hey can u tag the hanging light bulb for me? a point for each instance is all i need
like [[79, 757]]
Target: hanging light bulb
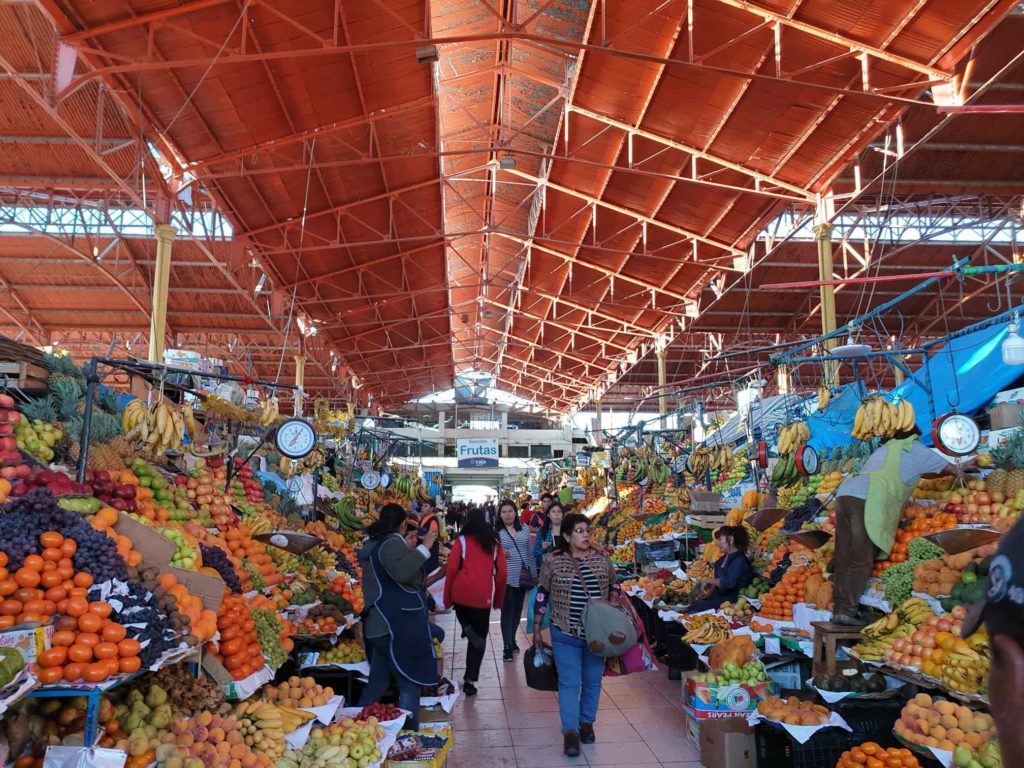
[[1013, 344]]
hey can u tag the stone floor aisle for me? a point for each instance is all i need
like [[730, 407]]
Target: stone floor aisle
[[640, 721]]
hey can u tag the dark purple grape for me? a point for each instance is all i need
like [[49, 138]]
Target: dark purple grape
[[215, 558]]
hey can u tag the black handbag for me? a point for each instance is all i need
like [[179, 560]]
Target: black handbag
[[541, 673]]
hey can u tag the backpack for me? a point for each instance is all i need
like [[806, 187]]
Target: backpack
[[462, 554]]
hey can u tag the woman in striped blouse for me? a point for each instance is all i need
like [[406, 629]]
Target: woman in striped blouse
[[575, 574], [515, 541]]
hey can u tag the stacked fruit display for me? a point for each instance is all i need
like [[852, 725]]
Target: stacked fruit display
[[346, 651], [741, 611], [792, 711], [779, 601], [346, 744], [707, 629], [298, 692], [935, 722], [890, 757], [882, 635], [238, 649]]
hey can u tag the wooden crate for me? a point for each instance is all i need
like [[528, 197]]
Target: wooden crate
[[21, 375]]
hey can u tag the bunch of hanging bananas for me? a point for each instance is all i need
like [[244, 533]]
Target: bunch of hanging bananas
[[792, 435], [721, 458], [877, 417], [707, 629], [160, 427], [409, 487], [700, 461], [824, 396], [225, 409], [190, 421], [311, 461], [345, 508], [270, 409]]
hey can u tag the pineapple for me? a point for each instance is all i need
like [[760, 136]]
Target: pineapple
[[996, 481], [1010, 456]]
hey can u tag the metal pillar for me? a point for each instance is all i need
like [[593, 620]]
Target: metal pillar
[[823, 236], [300, 378], [662, 382], [165, 235], [783, 380]]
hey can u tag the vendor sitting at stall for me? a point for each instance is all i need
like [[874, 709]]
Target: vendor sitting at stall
[[868, 509], [733, 570]]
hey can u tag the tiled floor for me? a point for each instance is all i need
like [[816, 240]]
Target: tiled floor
[[508, 725]]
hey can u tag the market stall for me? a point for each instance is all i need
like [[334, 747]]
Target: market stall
[[160, 602]]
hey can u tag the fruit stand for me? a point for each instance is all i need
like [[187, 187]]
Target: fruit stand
[[145, 608]]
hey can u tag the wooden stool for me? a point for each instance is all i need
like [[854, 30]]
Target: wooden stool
[[826, 635]]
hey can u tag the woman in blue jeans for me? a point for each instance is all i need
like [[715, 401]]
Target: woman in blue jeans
[[574, 574]]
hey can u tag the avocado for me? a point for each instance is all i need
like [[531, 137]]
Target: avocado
[[972, 567], [858, 684], [831, 567], [821, 682], [957, 592], [974, 593], [840, 684], [876, 683], [983, 566], [949, 603]]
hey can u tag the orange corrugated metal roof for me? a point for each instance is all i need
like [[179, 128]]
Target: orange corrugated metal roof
[[646, 150]]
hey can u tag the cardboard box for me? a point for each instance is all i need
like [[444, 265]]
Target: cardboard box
[[1006, 415], [704, 501], [692, 727], [709, 701], [155, 548], [202, 585], [435, 714], [1009, 396], [727, 743], [28, 642]]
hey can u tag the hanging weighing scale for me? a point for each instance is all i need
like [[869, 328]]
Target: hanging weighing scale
[[385, 480], [762, 454], [955, 434], [806, 459], [370, 479], [295, 438]]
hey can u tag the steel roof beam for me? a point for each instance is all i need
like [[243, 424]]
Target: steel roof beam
[[153, 17], [573, 330], [628, 213], [758, 177], [597, 268], [922, 68]]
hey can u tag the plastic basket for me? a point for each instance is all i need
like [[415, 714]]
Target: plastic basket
[[790, 676]]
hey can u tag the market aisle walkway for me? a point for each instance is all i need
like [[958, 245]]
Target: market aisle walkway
[[507, 725]]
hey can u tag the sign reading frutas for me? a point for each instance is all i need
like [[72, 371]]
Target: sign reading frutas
[[477, 452]]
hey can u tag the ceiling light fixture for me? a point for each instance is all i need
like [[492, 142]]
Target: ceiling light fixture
[[507, 163], [1013, 344]]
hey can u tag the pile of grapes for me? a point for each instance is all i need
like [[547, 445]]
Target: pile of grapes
[[22, 520], [215, 558], [142, 620], [344, 564], [804, 513], [780, 570]]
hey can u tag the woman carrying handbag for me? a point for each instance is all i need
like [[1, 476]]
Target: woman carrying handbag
[[474, 583], [576, 580], [515, 541]]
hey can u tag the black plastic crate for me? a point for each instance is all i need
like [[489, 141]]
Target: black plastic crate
[[871, 720], [652, 551]]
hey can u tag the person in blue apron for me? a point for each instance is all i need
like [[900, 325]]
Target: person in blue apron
[[396, 631]]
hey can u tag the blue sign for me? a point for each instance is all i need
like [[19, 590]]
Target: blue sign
[[477, 452]]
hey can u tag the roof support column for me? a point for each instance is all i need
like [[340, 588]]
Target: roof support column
[[165, 235], [662, 382], [823, 236], [300, 379], [783, 379]]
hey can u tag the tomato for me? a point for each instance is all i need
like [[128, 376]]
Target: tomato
[[51, 539], [53, 657], [27, 577], [63, 639], [77, 607], [94, 673], [33, 563], [101, 609], [231, 647], [50, 579], [112, 665], [48, 675], [113, 632], [89, 622], [128, 647], [6, 622], [80, 654], [69, 547], [8, 587], [10, 607], [105, 651], [73, 672], [52, 555], [56, 594], [232, 663], [129, 664], [67, 622], [88, 639], [83, 580]]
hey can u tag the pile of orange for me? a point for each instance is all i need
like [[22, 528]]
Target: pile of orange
[[87, 644], [871, 755], [246, 548], [104, 520], [778, 603], [239, 650], [41, 586]]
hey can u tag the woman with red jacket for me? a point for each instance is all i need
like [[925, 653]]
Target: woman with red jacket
[[475, 583]]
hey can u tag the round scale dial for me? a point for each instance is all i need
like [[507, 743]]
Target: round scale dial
[[295, 438], [956, 434], [806, 459]]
